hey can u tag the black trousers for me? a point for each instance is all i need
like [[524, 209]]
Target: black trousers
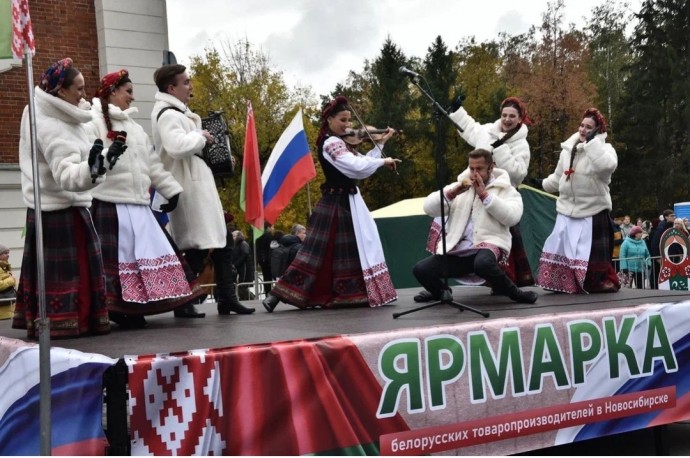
[[430, 272], [225, 273], [654, 277], [637, 276], [196, 258]]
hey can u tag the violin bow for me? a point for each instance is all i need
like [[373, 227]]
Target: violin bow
[[376, 145]]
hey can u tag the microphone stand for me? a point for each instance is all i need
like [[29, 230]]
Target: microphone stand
[[446, 295]]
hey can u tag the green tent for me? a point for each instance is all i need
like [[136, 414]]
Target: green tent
[[538, 219], [404, 228]]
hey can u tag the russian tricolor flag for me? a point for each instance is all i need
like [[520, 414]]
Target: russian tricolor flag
[[288, 169], [76, 410]]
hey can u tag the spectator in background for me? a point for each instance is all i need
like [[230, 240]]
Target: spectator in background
[[287, 249], [7, 284], [647, 227], [243, 262], [275, 243], [635, 257], [626, 225], [668, 217], [7, 280], [263, 255], [618, 238], [682, 225], [647, 233]]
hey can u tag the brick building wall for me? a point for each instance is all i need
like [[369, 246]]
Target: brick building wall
[[62, 28], [100, 36]]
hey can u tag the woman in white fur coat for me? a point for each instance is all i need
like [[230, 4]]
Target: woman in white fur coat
[[73, 267], [144, 274], [577, 255], [506, 138]]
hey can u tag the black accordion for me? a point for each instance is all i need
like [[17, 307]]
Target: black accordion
[[217, 154]]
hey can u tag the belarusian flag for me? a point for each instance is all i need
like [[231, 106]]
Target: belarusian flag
[[251, 196], [15, 29]]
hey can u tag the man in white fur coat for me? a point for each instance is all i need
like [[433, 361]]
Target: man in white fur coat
[[197, 224], [480, 209]]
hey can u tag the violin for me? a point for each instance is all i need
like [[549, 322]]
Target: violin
[[354, 137]]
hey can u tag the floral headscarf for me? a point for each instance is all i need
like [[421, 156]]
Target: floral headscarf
[[52, 79]]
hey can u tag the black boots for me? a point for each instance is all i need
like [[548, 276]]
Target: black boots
[[424, 296], [224, 308], [270, 303], [524, 297], [501, 284], [188, 311], [128, 321], [225, 284]]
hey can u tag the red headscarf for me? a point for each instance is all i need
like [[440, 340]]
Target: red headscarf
[[336, 105], [330, 107], [597, 117], [111, 81], [520, 106]]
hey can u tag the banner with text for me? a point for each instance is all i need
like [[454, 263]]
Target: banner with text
[[493, 387]]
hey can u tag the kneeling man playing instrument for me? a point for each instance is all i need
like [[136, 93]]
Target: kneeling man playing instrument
[[480, 208]]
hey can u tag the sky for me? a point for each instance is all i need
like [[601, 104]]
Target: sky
[[317, 42]]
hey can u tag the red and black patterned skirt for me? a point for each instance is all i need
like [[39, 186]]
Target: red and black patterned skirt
[[601, 276], [73, 272], [106, 223], [326, 271]]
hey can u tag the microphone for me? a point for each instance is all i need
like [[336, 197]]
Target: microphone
[[408, 72]]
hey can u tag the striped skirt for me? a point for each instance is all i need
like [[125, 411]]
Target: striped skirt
[[159, 286], [577, 256], [73, 272], [327, 271]]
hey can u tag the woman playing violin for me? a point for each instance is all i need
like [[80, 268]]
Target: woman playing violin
[[341, 263]]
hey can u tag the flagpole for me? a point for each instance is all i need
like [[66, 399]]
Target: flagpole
[[309, 196], [43, 321], [256, 273]]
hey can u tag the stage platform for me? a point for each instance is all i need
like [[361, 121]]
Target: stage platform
[[167, 334]]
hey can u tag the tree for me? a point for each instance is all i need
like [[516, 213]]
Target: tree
[[385, 104], [225, 80], [439, 68], [558, 90], [609, 55], [482, 81], [653, 118]]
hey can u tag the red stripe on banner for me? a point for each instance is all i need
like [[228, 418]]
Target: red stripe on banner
[[436, 439], [285, 398], [677, 413], [89, 447]]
